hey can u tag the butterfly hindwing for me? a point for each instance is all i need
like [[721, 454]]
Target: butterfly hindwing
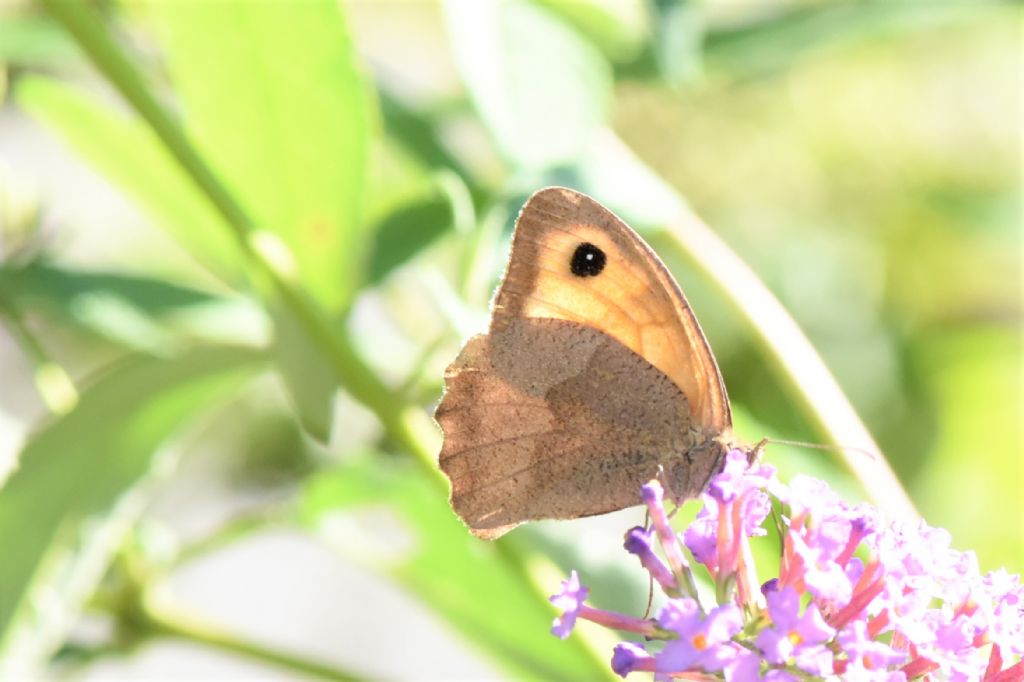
[[541, 421]]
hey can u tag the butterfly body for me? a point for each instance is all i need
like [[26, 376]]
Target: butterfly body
[[593, 377]]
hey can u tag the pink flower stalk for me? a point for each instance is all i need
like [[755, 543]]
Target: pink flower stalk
[[855, 598], [569, 602]]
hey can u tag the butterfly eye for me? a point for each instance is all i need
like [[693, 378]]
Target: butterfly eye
[[587, 260]]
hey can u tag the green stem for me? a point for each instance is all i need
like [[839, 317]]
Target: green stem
[[229, 532], [187, 628]]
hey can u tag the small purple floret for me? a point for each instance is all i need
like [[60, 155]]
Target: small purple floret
[[569, 601], [654, 497], [795, 636], [702, 643], [638, 542], [701, 537], [628, 657]]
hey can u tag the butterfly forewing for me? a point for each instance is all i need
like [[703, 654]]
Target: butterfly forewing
[[632, 298]]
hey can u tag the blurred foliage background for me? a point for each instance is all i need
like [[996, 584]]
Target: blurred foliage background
[[239, 242]]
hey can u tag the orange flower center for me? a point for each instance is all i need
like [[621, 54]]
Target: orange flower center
[[700, 642], [795, 637]]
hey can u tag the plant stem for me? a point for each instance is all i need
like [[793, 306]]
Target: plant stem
[[187, 628], [229, 532]]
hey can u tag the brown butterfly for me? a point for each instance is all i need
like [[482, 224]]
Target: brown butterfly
[[594, 376]]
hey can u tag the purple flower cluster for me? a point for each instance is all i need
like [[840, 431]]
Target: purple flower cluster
[[855, 598]]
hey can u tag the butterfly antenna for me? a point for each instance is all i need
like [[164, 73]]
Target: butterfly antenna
[[873, 455]]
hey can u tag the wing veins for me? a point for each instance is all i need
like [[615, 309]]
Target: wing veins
[[500, 441]]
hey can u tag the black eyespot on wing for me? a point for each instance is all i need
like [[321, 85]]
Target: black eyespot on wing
[[587, 260]]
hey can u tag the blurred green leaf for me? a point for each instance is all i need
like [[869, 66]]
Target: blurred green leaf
[[126, 151], [678, 38], [28, 39], [406, 232], [416, 133], [77, 469], [776, 41], [274, 97], [135, 311], [464, 579], [540, 88], [48, 285], [307, 373]]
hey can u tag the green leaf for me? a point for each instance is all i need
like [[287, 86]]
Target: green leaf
[[416, 133], [48, 284], [407, 231], [77, 470], [129, 154], [464, 579], [28, 39], [678, 36], [306, 372], [134, 311], [273, 96], [783, 38], [540, 88]]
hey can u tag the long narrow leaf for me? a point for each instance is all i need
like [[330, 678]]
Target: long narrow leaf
[[466, 581], [125, 150], [73, 472], [134, 311]]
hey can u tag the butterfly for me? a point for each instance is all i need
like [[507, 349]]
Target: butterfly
[[594, 377]]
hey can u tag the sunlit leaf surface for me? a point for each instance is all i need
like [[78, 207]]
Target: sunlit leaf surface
[[274, 97]]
